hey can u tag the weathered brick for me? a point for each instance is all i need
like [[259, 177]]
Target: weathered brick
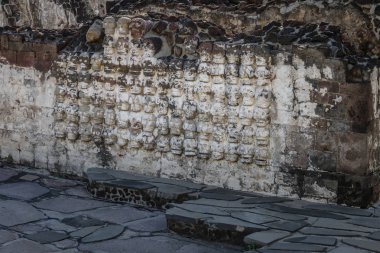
[[328, 86]]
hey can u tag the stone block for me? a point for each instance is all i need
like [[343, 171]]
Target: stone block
[[3, 41], [325, 161], [326, 141], [353, 155], [26, 59], [361, 89], [10, 55]]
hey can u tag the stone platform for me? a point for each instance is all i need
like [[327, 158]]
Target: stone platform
[[40, 213]]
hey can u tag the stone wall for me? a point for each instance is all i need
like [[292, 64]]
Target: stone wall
[[289, 108]]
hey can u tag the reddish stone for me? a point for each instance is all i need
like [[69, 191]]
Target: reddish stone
[[9, 55], [26, 59], [357, 89]]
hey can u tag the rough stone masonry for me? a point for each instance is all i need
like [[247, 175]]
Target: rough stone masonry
[[271, 96]]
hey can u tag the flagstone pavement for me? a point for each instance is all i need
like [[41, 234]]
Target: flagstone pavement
[[40, 213]]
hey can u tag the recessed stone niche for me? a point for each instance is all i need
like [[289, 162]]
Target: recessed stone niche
[[179, 98]]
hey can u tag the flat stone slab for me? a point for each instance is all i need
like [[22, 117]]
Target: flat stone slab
[[202, 209], [99, 176], [154, 224], [252, 217], [219, 196], [365, 244], [6, 236], [6, 174], [14, 213], [84, 231], [23, 190], [66, 204], [264, 200], [366, 222], [170, 191], [118, 214], [297, 247], [321, 240], [328, 232], [264, 238], [47, 237], [341, 225], [313, 213], [24, 245], [119, 174], [82, 221], [104, 233], [375, 236], [340, 209], [130, 184], [290, 226], [29, 177], [347, 249]]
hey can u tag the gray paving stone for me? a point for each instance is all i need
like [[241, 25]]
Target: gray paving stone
[[155, 244], [280, 251], [184, 215], [328, 232], [264, 200], [82, 221], [252, 217], [220, 203], [321, 240], [347, 249], [169, 191], [118, 214], [104, 233], [6, 236], [14, 213], [218, 196], [290, 226], [230, 223], [342, 225], [120, 174], [47, 237], [285, 216], [202, 209], [23, 190], [182, 183], [78, 191], [297, 247], [84, 232], [66, 244], [195, 248], [58, 183], [29, 177], [130, 184], [27, 246], [340, 209], [99, 176], [264, 238], [365, 244], [154, 224], [66, 204], [313, 213], [375, 236], [6, 174], [55, 225], [366, 222]]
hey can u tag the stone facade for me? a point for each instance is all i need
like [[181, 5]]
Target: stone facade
[[285, 109]]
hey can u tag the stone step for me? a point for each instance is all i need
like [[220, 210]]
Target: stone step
[[121, 186]]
